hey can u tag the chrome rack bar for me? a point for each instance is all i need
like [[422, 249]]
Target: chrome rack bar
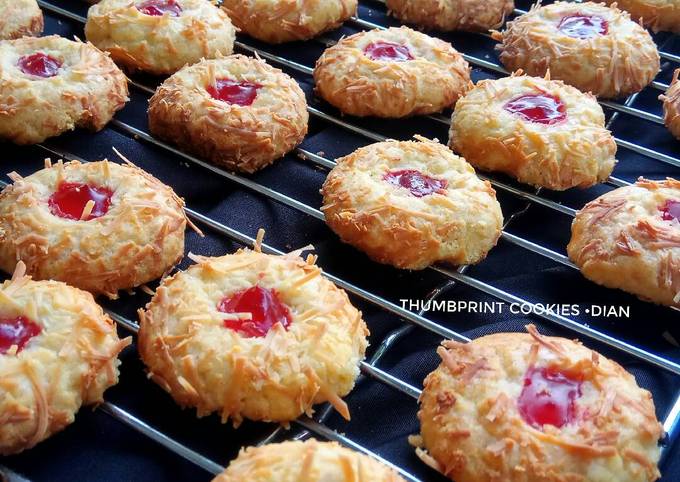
[[564, 321], [159, 437]]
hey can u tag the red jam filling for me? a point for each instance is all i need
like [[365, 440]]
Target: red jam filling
[[263, 304], [583, 26], [156, 8], [16, 331], [670, 210], [233, 92], [548, 398], [418, 183], [388, 52], [39, 65], [70, 199], [540, 108]]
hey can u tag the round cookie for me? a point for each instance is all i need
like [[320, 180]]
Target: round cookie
[[58, 351], [99, 226], [469, 15], [277, 21], [236, 111], [20, 18], [391, 73], [671, 106], [515, 406], [595, 48], [309, 461], [659, 15], [255, 336], [159, 36], [629, 239], [542, 132], [51, 85], [412, 204]]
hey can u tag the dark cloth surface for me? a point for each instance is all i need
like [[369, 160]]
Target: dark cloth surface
[[98, 448]]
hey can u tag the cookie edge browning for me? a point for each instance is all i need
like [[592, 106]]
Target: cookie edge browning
[[276, 29], [348, 80], [163, 370], [451, 15], [93, 385], [519, 46], [360, 466], [434, 405], [173, 119], [35, 248], [597, 257], [353, 226]]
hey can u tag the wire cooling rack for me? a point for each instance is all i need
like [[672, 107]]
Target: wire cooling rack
[[638, 113]]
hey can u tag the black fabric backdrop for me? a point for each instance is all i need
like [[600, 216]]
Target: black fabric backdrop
[[98, 448]]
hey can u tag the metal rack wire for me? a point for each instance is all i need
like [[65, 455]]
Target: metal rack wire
[[370, 368]]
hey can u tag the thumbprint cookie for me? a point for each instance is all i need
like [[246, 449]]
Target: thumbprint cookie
[[254, 336], [671, 106], [236, 111], [277, 21], [593, 47], [309, 461], [527, 407], [629, 239], [391, 73], [20, 18], [51, 85], [540, 131], [159, 36], [411, 204], [99, 226], [58, 352], [658, 15], [469, 15]]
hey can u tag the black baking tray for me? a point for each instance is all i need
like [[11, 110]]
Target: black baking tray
[[98, 447]]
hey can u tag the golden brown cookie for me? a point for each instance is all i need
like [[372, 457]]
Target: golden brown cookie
[[51, 85], [396, 72], [277, 21], [58, 352], [629, 239], [412, 204], [530, 408], [159, 36], [593, 47], [255, 336], [235, 111], [309, 461], [541, 132], [99, 226]]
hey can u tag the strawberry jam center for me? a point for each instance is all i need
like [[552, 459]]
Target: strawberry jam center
[[156, 8], [416, 182], [264, 306], [388, 52], [583, 26], [233, 92], [16, 331], [70, 199], [39, 65], [548, 398], [539, 108], [670, 210]]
